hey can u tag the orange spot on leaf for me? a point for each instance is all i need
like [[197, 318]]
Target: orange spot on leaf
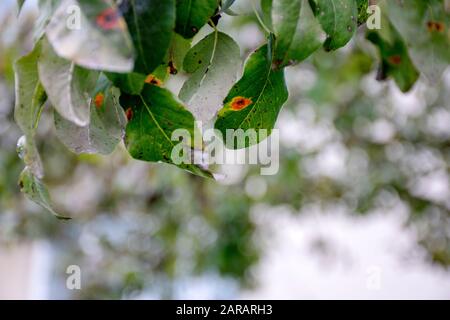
[[109, 19], [395, 60], [98, 100], [239, 103], [439, 26], [129, 114], [435, 26], [151, 79]]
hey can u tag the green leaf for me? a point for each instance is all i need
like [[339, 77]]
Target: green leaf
[[338, 19], [192, 15], [153, 116], [363, 13], [424, 27], [131, 83], [173, 61], [20, 4], [68, 86], [256, 99], [46, 10], [177, 52], [226, 4], [395, 60], [92, 34], [30, 99], [151, 23], [36, 191], [266, 9], [297, 31], [214, 63], [105, 129]]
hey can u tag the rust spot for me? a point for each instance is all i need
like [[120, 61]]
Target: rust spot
[[109, 19], [395, 60], [239, 103], [435, 26], [151, 79], [439, 26], [172, 69], [129, 114], [99, 100], [276, 64]]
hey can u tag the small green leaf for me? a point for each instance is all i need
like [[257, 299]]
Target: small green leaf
[[256, 99], [214, 63], [363, 14], [68, 86], [30, 96], [105, 129], [297, 31], [192, 15], [424, 27], [92, 34], [133, 83], [339, 20], [153, 116], [177, 52], [36, 191], [30, 99], [151, 23], [395, 60]]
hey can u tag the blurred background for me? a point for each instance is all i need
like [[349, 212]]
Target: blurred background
[[359, 209]]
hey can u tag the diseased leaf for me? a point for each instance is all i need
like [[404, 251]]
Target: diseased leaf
[[105, 129], [30, 99], [36, 191], [256, 99], [151, 23], [297, 31], [153, 116], [92, 34], [192, 15], [395, 60], [177, 52], [338, 19], [424, 27], [214, 63], [132, 83], [68, 86]]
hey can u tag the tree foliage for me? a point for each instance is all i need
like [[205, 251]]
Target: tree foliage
[[103, 68]]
